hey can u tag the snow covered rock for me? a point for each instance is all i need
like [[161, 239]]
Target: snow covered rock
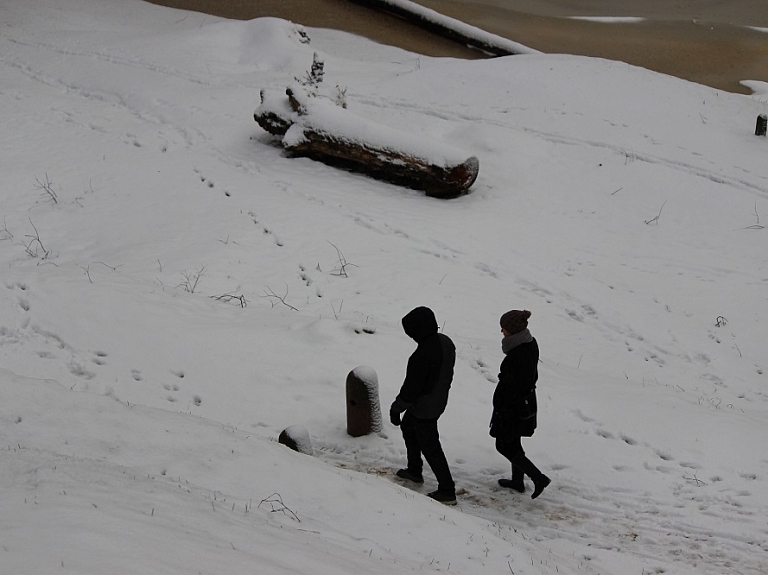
[[297, 438]]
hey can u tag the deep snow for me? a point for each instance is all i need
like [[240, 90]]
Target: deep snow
[[175, 292]]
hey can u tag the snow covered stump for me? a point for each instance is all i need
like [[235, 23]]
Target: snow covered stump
[[363, 407], [296, 437], [762, 125]]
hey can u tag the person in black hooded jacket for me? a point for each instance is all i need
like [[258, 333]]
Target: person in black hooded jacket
[[514, 401], [423, 397]]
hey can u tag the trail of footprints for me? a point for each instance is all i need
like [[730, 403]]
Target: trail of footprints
[[689, 468], [56, 348]]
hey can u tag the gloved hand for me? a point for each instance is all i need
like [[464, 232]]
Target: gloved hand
[[398, 406]]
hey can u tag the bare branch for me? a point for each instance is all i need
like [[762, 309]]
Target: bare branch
[[229, 297], [6, 235], [269, 293], [277, 506], [46, 186], [757, 225], [656, 219], [35, 244], [343, 263], [191, 279]]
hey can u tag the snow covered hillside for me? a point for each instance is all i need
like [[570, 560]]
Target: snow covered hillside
[[175, 292]]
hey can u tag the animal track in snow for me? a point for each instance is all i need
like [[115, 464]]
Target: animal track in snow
[[136, 375], [79, 370], [664, 456], [132, 140], [628, 440], [265, 229], [304, 275]]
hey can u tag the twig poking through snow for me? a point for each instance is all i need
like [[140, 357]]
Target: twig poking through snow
[[276, 503], [46, 186], [343, 263], [281, 299], [656, 219]]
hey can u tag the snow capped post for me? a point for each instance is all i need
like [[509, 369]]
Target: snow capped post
[[363, 407], [762, 125]]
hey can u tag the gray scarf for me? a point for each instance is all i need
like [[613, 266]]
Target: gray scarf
[[512, 341]]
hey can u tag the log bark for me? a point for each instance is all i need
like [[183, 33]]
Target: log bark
[[437, 181]]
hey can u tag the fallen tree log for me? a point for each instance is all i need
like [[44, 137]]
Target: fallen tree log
[[448, 27], [317, 128]]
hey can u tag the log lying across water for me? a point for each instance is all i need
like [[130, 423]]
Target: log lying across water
[[317, 128], [448, 27]]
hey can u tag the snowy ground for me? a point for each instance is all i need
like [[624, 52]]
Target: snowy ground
[[172, 297]]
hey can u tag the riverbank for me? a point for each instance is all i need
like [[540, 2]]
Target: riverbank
[[715, 43]]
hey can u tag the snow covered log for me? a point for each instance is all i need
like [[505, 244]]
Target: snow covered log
[[317, 128], [448, 27]]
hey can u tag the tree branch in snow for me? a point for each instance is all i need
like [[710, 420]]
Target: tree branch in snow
[[343, 263], [276, 504], [7, 235], [656, 219], [46, 186], [269, 293], [229, 297], [35, 244], [191, 279], [756, 226]]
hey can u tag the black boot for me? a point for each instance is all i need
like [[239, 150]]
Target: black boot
[[539, 485], [525, 465], [516, 482], [410, 475]]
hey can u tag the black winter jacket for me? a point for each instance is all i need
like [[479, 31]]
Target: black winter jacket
[[519, 373], [429, 373]]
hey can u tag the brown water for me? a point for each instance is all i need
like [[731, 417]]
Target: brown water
[[705, 41]]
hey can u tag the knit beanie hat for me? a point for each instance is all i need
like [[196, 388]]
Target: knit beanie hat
[[515, 321]]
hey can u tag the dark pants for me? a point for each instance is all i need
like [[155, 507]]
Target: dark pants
[[512, 449], [422, 438]]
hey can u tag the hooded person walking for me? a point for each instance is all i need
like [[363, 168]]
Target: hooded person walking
[[423, 397], [514, 401]]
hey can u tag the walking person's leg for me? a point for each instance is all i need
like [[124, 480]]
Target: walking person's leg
[[429, 440], [513, 451], [413, 471]]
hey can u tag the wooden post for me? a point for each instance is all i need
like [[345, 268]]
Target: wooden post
[[363, 408], [762, 125]]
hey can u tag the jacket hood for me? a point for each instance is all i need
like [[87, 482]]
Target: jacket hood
[[420, 323]]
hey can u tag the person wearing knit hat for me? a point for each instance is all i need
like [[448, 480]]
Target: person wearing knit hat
[[514, 401]]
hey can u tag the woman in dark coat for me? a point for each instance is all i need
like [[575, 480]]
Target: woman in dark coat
[[514, 401]]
